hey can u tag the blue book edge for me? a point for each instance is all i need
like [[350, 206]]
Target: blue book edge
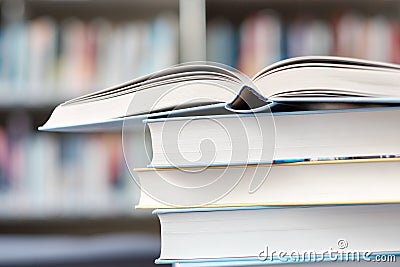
[[339, 257]]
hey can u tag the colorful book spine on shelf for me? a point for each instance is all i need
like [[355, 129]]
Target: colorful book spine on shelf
[[47, 175], [265, 37], [45, 57]]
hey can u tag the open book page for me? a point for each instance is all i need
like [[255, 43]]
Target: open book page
[[329, 77], [167, 76], [176, 88], [353, 62]]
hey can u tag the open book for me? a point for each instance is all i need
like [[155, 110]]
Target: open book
[[202, 87]]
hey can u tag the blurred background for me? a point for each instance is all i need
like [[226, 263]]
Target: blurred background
[[68, 199]]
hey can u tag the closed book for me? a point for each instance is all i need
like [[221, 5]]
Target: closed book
[[268, 137], [296, 183], [379, 259], [267, 233]]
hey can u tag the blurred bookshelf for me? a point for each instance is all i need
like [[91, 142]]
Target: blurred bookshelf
[[53, 50], [253, 34]]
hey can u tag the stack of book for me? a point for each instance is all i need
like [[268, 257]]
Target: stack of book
[[300, 167]]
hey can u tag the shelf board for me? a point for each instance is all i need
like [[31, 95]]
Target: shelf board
[[81, 226], [116, 10], [31, 102], [288, 8]]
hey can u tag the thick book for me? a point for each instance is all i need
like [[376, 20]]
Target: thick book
[[264, 138], [267, 233], [296, 183], [315, 79]]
